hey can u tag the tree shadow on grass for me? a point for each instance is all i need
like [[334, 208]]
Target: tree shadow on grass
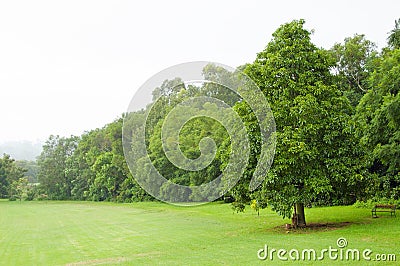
[[312, 227]]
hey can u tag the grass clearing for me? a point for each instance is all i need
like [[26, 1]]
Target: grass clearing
[[88, 233]]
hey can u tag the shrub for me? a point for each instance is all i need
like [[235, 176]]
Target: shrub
[[374, 201], [42, 197], [12, 198]]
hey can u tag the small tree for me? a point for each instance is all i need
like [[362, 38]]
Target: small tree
[[20, 188]]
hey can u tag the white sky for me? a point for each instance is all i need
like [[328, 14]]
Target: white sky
[[71, 66]]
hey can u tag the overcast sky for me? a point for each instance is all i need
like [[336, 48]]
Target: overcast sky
[[71, 66]]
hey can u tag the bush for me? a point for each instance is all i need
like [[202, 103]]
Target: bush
[[12, 198], [42, 197], [374, 201], [364, 204], [30, 194]]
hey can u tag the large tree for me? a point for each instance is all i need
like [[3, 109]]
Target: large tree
[[353, 65], [97, 169], [315, 146], [52, 163], [378, 115]]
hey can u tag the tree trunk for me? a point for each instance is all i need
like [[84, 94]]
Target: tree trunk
[[301, 218]]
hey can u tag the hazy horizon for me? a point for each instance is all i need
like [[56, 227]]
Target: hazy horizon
[[23, 150], [70, 67]]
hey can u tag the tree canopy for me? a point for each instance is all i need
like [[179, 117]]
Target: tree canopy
[[313, 158], [10, 173], [337, 130]]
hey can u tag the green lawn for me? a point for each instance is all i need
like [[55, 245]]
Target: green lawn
[[87, 233]]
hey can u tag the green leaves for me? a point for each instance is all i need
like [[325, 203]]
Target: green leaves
[[10, 173], [354, 60], [379, 124], [337, 117], [312, 119], [52, 162], [394, 37]]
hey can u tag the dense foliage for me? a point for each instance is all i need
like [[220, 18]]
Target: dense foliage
[[13, 182], [337, 118], [316, 154]]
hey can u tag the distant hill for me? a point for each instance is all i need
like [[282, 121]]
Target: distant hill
[[21, 150]]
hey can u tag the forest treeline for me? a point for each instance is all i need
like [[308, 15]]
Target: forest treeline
[[337, 115]]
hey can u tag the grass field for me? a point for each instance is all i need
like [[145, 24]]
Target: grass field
[[87, 233]]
